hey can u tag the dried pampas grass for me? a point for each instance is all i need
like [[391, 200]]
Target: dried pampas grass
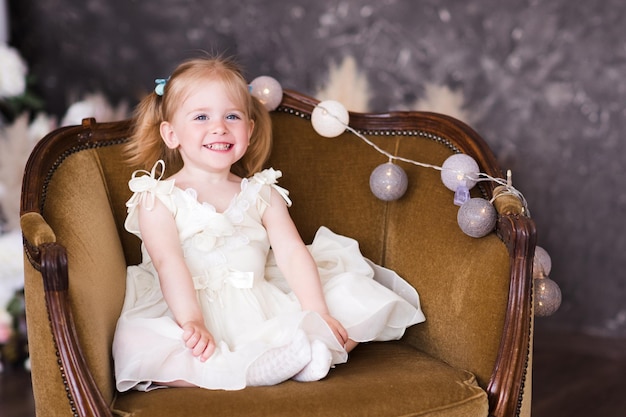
[[18, 139], [347, 85], [441, 99], [16, 143]]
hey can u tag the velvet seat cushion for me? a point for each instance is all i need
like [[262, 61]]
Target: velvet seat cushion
[[380, 379]]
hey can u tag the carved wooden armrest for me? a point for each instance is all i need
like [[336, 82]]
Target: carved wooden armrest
[[518, 233], [50, 258]]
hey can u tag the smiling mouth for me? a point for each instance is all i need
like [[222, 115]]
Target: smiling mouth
[[219, 146]]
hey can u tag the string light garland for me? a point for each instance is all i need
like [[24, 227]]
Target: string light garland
[[460, 173]]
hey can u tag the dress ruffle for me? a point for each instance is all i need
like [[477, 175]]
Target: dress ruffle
[[371, 302]]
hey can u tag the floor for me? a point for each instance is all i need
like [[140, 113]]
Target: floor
[[16, 398], [578, 376], [574, 376]]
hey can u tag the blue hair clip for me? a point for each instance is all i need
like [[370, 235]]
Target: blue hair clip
[[160, 85]]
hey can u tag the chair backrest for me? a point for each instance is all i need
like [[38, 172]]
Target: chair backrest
[[463, 282], [76, 180]]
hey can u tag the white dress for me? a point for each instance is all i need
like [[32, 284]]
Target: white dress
[[247, 304]]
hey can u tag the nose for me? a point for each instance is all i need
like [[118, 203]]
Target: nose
[[219, 128]]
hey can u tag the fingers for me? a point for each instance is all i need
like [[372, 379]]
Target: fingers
[[210, 349], [343, 333], [199, 341], [339, 331], [203, 347]]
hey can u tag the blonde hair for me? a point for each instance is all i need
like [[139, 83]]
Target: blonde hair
[[146, 145]]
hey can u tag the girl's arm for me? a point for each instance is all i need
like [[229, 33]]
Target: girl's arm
[[297, 264], [160, 237]]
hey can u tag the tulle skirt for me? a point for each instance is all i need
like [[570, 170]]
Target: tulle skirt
[[371, 302]]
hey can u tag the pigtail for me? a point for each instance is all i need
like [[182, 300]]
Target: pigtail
[[260, 142], [146, 146]]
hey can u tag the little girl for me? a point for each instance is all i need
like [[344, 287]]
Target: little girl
[[211, 305]]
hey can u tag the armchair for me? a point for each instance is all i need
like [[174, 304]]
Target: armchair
[[472, 356]]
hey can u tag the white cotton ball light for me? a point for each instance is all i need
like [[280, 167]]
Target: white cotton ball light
[[477, 217], [542, 263], [330, 118], [268, 90], [456, 169], [547, 296], [388, 182]]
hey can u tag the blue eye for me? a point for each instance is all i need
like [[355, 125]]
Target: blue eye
[[233, 117], [201, 117]]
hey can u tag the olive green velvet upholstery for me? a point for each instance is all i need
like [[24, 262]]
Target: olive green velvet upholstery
[[441, 368]]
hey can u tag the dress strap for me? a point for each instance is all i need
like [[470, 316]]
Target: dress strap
[[270, 176], [145, 187], [283, 193]]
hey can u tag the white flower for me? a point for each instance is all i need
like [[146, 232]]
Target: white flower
[[13, 72]]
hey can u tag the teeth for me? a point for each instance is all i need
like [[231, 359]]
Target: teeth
[[219, 146]]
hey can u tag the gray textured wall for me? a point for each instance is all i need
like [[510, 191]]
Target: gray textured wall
[[543, 81]]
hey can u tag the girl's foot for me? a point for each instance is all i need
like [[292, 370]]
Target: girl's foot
[[321, 360], [280, 364]]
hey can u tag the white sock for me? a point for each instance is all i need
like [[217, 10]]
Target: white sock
[[280, 364], [321, 359]]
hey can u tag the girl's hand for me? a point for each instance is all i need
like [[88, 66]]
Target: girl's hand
[[340, 333], [198, 339]]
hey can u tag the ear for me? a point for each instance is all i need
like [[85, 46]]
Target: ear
[[168, 135]]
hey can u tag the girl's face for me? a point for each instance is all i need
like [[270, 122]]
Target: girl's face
[[210, 131]]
